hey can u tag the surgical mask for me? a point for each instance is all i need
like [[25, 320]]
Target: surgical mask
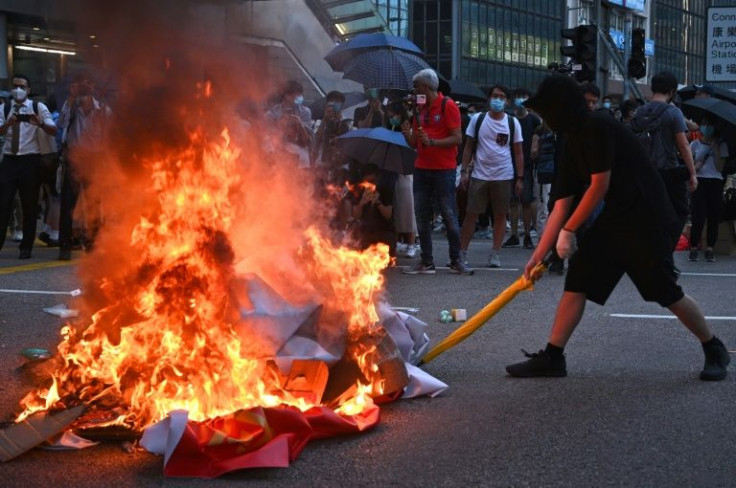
[[336, 106], [19, 94], [519, 102], [606, 105], [497, 105], [708, 130], [394, 121], [299, 100]]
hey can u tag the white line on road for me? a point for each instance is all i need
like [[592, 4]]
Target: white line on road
[[73, 293], [474, 269], [726, 275], [650, 316]]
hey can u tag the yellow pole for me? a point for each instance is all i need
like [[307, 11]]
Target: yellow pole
[[479, 319]]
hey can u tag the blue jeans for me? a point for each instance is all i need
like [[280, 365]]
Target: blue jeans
[[430, 187]]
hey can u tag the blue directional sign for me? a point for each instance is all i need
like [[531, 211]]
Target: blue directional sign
[[638, 5], [619, 39]]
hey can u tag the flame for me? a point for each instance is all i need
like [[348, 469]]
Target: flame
[[165, 340]]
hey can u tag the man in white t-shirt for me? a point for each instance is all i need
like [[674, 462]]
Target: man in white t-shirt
[[493, 170]]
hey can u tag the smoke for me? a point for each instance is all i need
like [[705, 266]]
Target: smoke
[[177, 75]]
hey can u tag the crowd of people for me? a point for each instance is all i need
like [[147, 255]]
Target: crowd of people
[[608, 188]]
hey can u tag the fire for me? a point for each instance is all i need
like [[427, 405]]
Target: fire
[[165, 341]]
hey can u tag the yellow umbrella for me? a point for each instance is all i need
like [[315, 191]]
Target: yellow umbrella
[[478, 320]]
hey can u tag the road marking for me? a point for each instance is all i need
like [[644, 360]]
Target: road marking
[[474, 269], [727, 275], [651, 316], [73, 293], [35, 266]]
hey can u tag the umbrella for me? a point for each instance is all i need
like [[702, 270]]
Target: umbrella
[[384, 148], [689, 91], [351, 99], [342, 53], [384, 69], [463, 91], [478, 320], [721, 110]]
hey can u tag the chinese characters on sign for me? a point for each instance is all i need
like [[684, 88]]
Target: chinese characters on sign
[[720, 53]]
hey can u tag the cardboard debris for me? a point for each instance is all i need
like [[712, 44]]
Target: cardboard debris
[[36, 429], [307, 379]]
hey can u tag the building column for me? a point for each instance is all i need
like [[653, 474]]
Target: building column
[[4, 48]]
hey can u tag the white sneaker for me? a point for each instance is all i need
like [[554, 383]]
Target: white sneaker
[[16, 236], [401, 248], [494, 261], [411, 250], [533, 233]]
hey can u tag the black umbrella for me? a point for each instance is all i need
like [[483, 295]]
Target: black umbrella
[[384, 68], [341, 55], [351, 99], [723, 112], [384, 148], [463, 91], [689, 92]]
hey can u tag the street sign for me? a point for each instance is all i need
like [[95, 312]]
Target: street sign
[[618, 40], [720, 52]]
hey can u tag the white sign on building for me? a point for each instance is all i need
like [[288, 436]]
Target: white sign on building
[[720, 49]]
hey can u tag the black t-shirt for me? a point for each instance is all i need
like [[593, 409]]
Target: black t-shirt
[[636, 200], [528, 125]]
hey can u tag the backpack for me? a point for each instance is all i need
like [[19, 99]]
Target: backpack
[[512, 130], [646, 126], [545, 162]]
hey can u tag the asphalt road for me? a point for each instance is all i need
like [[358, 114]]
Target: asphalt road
[[631, 412]]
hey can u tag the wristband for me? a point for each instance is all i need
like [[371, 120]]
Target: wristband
[[568, 230]]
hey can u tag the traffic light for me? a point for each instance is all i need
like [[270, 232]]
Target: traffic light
[[584, 50], [637, 65]]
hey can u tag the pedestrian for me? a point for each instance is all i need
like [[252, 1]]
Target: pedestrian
[[372, 209], [527, 201], [372, 114], [710, 154], [292, 124], [404, 220], [634, 233], [20, 121], [435, 133], [544, 161], [325, 154], [85, 121], [664, 125], [496, 140]]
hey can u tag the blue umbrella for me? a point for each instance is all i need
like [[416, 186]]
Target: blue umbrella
[[385, 148], [342, 53], [384, 68]]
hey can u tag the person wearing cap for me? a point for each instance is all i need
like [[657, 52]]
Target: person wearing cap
[[634, 233]]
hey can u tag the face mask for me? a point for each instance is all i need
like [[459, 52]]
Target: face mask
[[708, 130], [497, 105], [19, 94], [519, 102], [606, 105], [336, 106], [394, 121], [299, 100]]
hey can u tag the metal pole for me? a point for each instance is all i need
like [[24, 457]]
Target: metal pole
[[598, 57], [457, 42], [627, 54], [4, 47]]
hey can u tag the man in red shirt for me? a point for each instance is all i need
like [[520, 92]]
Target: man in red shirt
[[435, 131]]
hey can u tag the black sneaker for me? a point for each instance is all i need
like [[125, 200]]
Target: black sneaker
[[459, 267], [512, 241], [717, 358], [710, 256], [420, 268], [528, 244], [693, 256], [538, 364]]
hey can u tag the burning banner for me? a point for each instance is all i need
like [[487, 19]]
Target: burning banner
[[224, 357]]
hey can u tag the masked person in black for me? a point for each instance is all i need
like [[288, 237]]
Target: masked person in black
[[633, 234]]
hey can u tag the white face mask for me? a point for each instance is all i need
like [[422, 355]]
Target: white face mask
[[19, 94]]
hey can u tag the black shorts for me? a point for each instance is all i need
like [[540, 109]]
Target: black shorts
[[603, 258]]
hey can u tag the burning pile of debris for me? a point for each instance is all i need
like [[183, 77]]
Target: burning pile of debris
[[220, 358]]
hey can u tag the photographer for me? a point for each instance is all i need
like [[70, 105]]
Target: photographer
[[19, 170]]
